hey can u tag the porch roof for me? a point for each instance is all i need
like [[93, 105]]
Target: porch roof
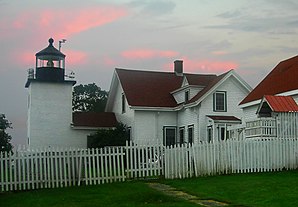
[[94, 119], [280, 103], [224, 118]]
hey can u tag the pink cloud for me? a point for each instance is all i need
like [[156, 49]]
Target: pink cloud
[[108, 61], [75, 57], [209, 65], [27, 58], [65, 23], [147, 54], [204, 65]]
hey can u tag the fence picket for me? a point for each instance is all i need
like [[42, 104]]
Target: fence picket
[[26, 169]]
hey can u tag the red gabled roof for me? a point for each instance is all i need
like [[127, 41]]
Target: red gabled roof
[[281, 103], [94, 119], [281, 79], [199, 80], [153, 89], [211, 83]]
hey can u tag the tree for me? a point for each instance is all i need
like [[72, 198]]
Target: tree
[[5, 145], [89, 97], [109, 137]]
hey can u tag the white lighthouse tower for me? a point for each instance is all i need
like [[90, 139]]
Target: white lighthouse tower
[[49, 101]]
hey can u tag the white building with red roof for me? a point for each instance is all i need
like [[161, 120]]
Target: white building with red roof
[[270, 109], [176, 107], [281, 81]]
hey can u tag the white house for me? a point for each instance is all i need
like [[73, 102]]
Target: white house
[[176, 107], [270, 109], [281, 81], [50, 121]]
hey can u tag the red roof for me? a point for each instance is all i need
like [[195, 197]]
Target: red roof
[[153, 89], [224, 118], [94, 119], [281, 79], [281, 103], [202, 79]]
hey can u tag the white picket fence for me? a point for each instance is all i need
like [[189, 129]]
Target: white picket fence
[[230, 157], [26, 169], [52, 168]]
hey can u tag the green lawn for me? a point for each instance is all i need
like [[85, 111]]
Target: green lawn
[[115, 194], [274, 189]]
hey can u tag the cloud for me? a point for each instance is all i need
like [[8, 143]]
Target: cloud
[[108, 61], [207, 65], [278, 17], [26, 58], [65, 23], [148, 54], [74, 58], [153, 7]]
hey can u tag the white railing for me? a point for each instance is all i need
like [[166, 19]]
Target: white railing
[[261, 128]]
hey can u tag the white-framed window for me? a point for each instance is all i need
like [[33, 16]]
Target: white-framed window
[[123, 105], [169, 135], [181, 135], [190, 134], [220, 101]]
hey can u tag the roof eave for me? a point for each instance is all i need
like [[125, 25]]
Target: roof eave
[[152, 108]]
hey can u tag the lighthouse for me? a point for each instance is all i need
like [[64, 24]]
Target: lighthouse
[[49, 100]]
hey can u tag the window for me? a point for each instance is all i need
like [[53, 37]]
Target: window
[[186, 95], [221, 132], [209, 134], [181, 135], [169, 135], [190, 134], [220, 101], [123, 103]]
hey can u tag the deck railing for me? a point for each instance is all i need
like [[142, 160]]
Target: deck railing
[[261, 128]]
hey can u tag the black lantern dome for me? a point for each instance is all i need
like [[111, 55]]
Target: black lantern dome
[[50, 64]]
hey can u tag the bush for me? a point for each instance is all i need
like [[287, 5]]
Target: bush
[[109, 137]]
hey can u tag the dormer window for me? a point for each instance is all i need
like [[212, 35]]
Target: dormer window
[[186, 96], [220, 101]]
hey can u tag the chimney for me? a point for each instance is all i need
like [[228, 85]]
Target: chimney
[[178, 67]]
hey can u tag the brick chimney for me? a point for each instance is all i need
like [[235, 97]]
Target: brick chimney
[[178, 67]]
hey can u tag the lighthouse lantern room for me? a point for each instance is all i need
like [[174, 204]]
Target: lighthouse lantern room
[[50, 64]]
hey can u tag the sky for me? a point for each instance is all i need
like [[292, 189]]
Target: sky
[[251, 37]]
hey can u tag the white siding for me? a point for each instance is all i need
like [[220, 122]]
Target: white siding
[[149, 125], [235, 95], [50, 116], [128, 116], [249, 113], [180, 95], [189, 117]]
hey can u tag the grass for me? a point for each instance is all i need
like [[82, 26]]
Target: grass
[[116, 194], [274, 189]]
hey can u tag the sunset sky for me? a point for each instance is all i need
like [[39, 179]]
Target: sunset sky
[[209, 36]]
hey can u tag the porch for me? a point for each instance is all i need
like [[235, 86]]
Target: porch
[[282, 125]]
